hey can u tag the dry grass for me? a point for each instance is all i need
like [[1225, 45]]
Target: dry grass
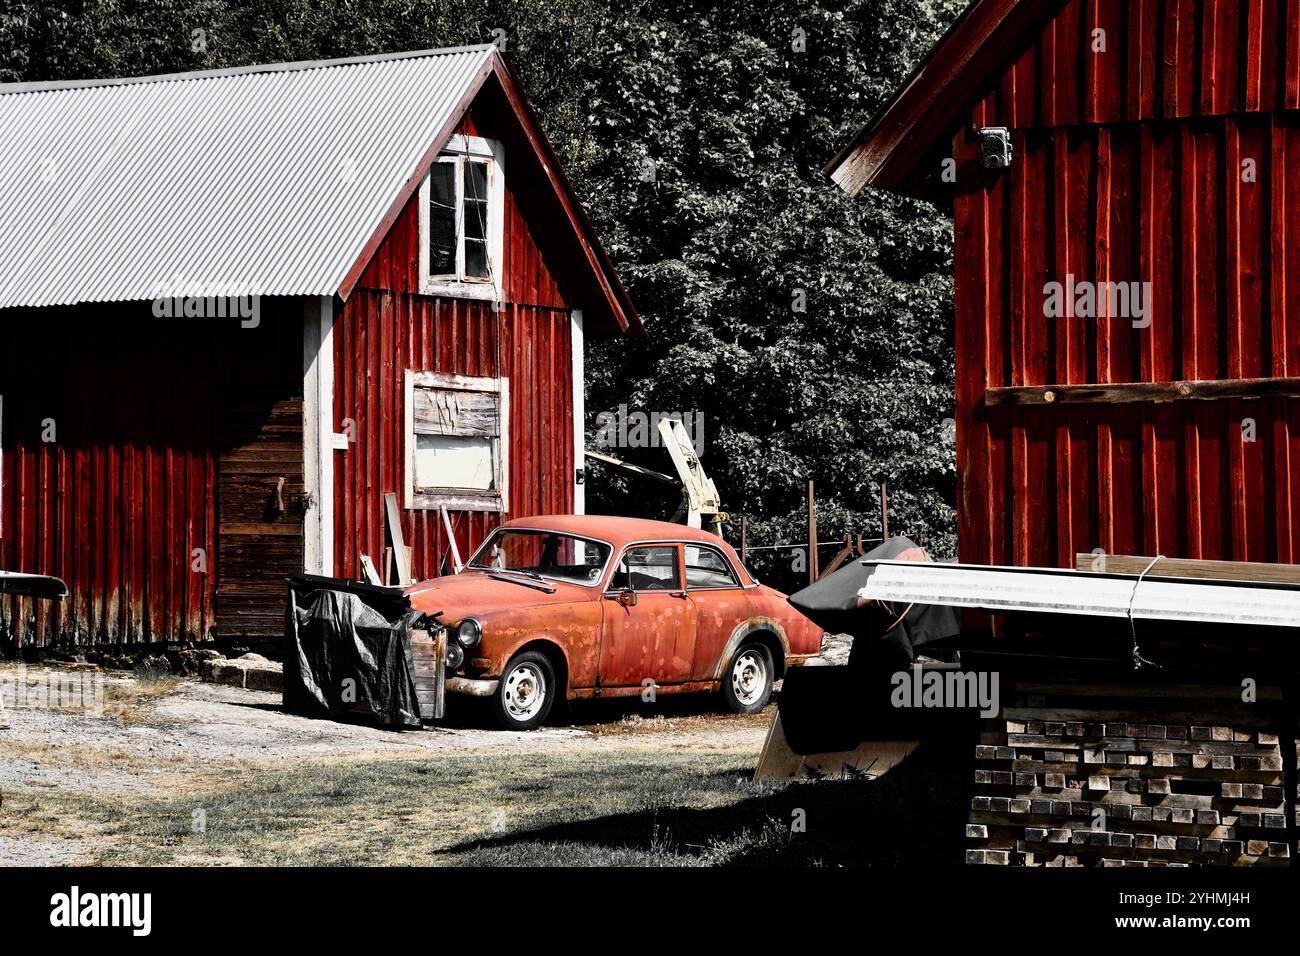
[[607, 808], [392, 812], [668, 788], [132, 701]]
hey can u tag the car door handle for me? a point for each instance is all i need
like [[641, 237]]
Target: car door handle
[[678, 594]]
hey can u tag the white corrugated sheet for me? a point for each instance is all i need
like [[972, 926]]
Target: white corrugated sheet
[[1061, 591], [267, 180]]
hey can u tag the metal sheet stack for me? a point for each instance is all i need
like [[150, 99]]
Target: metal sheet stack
[[1078, 774]]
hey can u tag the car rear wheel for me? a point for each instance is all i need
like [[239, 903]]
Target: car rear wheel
[[747, 681], [526, 691]]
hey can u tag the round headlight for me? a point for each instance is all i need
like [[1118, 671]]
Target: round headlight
[[469, 633], [455, 657]]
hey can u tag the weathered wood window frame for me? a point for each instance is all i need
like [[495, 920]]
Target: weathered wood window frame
[[418, 385], [459, 151]]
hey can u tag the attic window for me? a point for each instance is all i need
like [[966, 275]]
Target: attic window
[[461, 212]]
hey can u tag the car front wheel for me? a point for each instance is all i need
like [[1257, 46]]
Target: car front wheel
[[526, 692], [747, 681]]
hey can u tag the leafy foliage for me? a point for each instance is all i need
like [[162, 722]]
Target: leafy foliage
[[813, 331]]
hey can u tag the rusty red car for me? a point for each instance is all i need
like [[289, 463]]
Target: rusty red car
[[582, 606]]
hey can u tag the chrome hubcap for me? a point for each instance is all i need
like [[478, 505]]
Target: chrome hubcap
[[525, 691], [749, 677]]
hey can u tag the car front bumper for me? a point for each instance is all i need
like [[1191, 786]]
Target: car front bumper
[[472, 687]]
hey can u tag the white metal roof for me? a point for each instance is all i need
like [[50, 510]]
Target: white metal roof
[[1063, 591], [268, 180]]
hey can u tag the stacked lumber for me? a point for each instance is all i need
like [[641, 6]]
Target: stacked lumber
[[1076, 774]]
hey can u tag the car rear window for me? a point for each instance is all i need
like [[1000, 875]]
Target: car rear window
[[707, 568]]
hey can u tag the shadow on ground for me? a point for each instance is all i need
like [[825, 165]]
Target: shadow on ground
[[912, 816], [468, 713]]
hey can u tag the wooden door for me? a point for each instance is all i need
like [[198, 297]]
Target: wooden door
[[260, 507]]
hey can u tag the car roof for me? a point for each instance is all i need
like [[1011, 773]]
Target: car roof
[[615, 529]]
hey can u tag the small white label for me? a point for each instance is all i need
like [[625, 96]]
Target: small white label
[[339, 441]]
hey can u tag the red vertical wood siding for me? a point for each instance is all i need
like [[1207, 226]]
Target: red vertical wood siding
[[377, 337], [387, 327], [116, 505], [1163, 59], [1128, 167]]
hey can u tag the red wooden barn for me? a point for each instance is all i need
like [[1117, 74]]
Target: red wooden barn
[[1128, 285], [239, 306]]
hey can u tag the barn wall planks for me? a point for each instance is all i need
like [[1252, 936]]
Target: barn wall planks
[[119, 501], [1152, 59], [1180, 170], [260, 520], [377, 337]]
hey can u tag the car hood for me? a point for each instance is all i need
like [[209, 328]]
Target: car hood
[[477, 593]]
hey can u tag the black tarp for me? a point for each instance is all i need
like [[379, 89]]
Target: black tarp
[[832, 603], [833, 709], [348, 645]]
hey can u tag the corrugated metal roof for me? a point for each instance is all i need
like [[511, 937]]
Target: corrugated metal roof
[[265, 180], [1059, 591]]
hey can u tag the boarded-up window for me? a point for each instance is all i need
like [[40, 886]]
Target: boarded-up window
[[457, 442]]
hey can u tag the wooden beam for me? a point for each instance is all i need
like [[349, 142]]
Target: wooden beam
[[841, 556], [1190, 568], [1119, 392], [369, 572], [401, 557], [812, 534], [884, 512]]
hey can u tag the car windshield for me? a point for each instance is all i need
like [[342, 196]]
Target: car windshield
[[547, 554]]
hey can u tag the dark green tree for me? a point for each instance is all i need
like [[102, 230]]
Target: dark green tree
[[813, 331]]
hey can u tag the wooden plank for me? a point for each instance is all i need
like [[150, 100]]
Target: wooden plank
[[401, 557], [1190, 568], [292, 528], [427, 654], [452, 412], [368, 570], [1122, 392]]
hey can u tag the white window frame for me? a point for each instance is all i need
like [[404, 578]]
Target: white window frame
[[455, 286], [456, 499]]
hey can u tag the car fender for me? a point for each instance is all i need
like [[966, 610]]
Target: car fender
[[743, 630]]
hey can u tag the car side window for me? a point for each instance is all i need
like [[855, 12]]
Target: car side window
[[707, 568], [647, 569]]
